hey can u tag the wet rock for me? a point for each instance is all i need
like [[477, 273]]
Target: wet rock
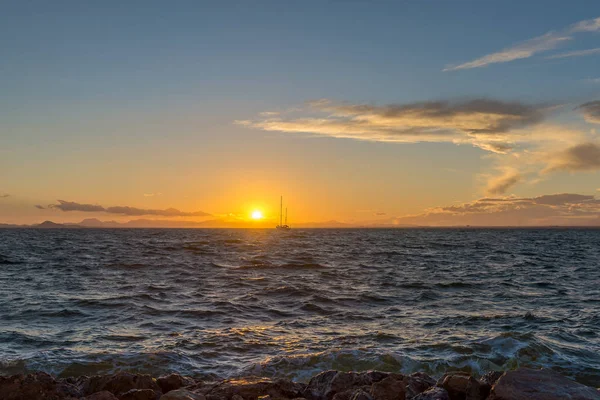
[[418, 382], [103, 395], [361, 395], [434, 393], [140, 394], [487, 381], [37, 386], [117, 384], [173, 382], [491, 377], [251, 388], [183, 394], [326, 384], [544, 384], [461, 386], [389, 388]]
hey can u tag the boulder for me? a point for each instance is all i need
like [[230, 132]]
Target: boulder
[[117, 384], [418, 382], [103, 395], [173, 381], [37, 386], [183, 394], [251, 388], [487, 381], [490, 377], [544, 384], [325, 385], [360, 394], [434, 393], [389, 388], [140, 394], [461, 386]]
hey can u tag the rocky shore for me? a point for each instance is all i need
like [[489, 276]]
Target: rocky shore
[[520, 384]]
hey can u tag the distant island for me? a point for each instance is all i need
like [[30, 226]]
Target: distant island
[[92, 223], [157, 223]]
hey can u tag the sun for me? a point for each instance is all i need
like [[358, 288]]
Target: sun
[[257, 214]]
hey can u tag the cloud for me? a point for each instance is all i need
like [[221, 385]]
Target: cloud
[[152, 194], [576, 53], [40, 207], [526, 49], [591, 111], [5, 195], [590, 25], [553, 209], [529, 48], [481, 122], [68, 206], [500, 184], [72, 206], [581, 157]]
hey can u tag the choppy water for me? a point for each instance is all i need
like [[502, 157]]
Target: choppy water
[[232, 302]]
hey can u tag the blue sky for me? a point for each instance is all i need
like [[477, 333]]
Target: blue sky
[[102, 102]]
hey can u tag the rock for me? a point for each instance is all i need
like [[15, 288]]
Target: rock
[[490, 377], [118, 383], [361, 395], [183, 394], [326, 384], [434, 393], [37, 386], [418, 382], [544, 384], [237, 397], [140, 394], [389, 388], [487, 381], [461, 386], [251, 388], [173, 381], [103, 395]]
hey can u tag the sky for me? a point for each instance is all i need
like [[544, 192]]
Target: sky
[[366, 113]]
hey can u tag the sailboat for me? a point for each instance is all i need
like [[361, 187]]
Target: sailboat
[[281, 224]]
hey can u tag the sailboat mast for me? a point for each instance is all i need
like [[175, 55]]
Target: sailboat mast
[[286, 215], [280, 210]]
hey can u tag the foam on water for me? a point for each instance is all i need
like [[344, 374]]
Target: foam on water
[[290, 304]]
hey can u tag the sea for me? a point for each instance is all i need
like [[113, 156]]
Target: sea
[[218, 303]]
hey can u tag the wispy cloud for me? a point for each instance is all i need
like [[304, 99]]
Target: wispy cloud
[[152, 194], [500, 184], [4, 195], [529, 48], [484, 123], [526, 49], [40, 207], [582, 157], [553, 209], [68, 206], [575, 53], [591, 111], [589, 25]]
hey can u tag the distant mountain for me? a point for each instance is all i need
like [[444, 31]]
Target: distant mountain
[[152, 223], [96, 223], [217, 223], [53, 225]]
